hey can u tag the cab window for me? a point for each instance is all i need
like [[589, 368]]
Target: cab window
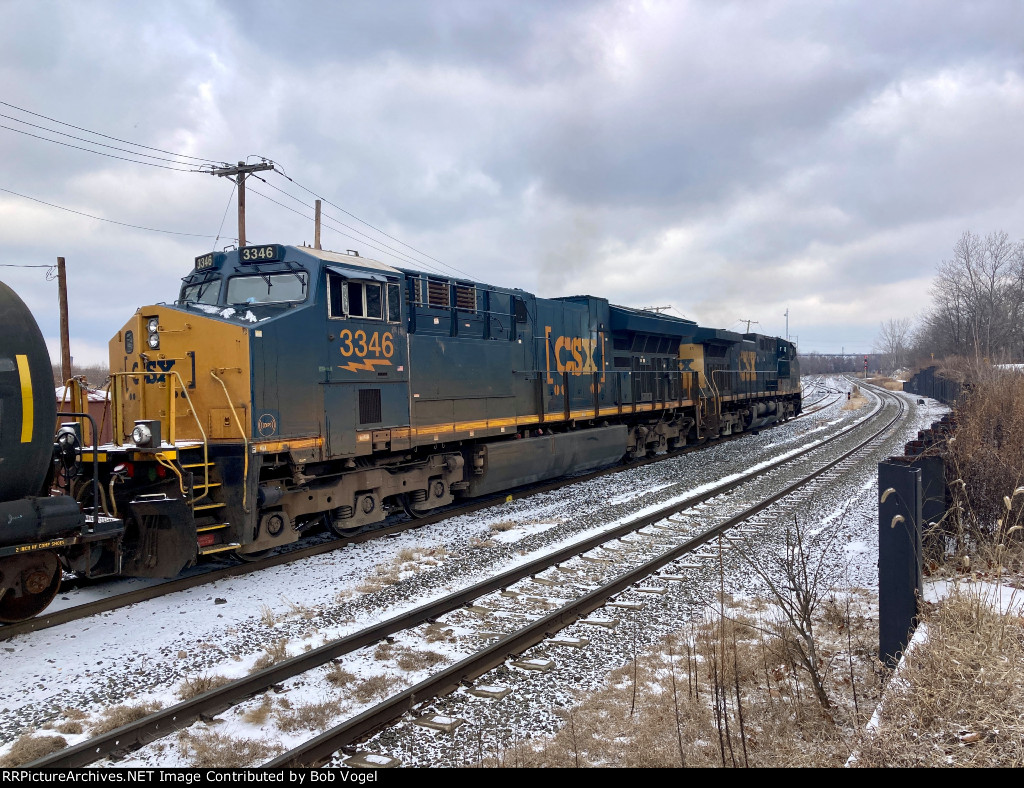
[[267, 288], [201, 292]]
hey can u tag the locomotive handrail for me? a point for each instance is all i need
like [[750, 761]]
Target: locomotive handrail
[[118, 418], [245, 441]]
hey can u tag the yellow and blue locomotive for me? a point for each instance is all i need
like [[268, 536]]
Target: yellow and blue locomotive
[[289, 387]]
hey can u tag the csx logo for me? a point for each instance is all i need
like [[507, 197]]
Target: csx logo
[[748, 359], [157, 368], [573, 355]]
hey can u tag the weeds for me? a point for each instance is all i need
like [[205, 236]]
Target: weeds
[[197, 685], [278, 652], [307, 717], [30, 747], [211, 750], [116, 716]]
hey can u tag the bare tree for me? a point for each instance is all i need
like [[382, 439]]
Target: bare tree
[[893, 343], [978, 300]]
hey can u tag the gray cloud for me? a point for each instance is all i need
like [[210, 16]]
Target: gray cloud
[[733, 159]]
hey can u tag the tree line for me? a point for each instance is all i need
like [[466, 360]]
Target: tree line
[[976, 312]]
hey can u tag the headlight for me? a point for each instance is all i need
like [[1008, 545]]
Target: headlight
[[153, 327], [141, 435]]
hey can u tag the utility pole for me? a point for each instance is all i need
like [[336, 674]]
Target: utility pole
[[239, 174], [316, 233], [748, 322], [656, 308], [65, 333], [787, 323]]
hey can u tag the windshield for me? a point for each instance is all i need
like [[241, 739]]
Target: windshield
[[267, 288], [201, 293]]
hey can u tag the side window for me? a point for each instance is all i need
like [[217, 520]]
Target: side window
[[394, 303], [374, 304], [354, 290], [354, 299], [335, 296]]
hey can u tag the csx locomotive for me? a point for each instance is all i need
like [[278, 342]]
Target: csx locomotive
[[289, 387]]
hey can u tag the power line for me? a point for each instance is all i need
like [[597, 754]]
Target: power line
[[400, 255], [101, 219], [97, 152], [329, 226], [105, 136], [376, 229]]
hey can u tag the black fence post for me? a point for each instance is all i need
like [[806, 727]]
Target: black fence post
[[899, 557]]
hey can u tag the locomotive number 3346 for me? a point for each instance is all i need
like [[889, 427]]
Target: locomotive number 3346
[[377, 344]]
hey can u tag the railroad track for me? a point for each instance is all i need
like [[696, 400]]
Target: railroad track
[[53, 618], [684, 539]]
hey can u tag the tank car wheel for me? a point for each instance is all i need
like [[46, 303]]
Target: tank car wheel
[[40, 580]]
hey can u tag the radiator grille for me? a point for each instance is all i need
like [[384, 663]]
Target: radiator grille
[[369, 406]]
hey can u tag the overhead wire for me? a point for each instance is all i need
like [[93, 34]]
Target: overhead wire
[[374, 228], [397, 253], [98, 152], [101, 219], [90, 142], [328, 225], [208, 165], [107, 136]]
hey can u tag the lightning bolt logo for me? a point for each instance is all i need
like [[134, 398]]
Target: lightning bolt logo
[[367, 365]]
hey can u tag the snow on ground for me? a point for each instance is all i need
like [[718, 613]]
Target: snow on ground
[[142, 653]]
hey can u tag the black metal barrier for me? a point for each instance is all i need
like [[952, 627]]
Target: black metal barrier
[[899, 557], [913, 498], [928, 383]]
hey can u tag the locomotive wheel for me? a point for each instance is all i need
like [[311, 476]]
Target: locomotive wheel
[[250, 558], [411, 510], [40, 580]]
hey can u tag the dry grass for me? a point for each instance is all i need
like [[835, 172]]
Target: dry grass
[[957, 698], [257, 715], [30, 747], [891, 384], [438, 633], [409, 560], [339, 677], [278, 652], [197, 685], [720, 693], [504, 525], [267, 616], [418, 660], [116, 716], [986, 460], [373, 688], [307, 717], [208, 750], [856, 400], [70, 727]]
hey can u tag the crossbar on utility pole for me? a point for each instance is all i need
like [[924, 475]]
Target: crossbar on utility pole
[[240, 172]]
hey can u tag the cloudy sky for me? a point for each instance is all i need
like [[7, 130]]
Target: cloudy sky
[[732, 160]]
